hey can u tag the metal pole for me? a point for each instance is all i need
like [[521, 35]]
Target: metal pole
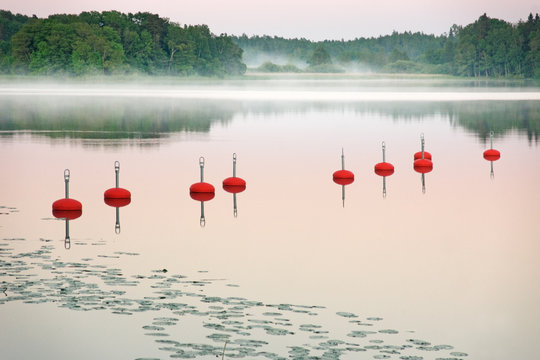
[[234, 165], [66, 180], [491, 139], [383, 152], [384, 187], [201, 164], [342, 160], [423, 183], [343, 194], [117, 171]]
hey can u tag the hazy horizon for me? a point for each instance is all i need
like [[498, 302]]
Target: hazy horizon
[[342, 19]]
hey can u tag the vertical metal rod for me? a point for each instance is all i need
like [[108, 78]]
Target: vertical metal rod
[[201, 164], [342, 160], [423, 183], [383, 152], [343, 194], [384, 187], [66, 180], [234, 165], [492, 174], [117, 172], [491, 139]]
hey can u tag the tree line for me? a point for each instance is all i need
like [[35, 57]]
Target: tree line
[[486, 48], [111, 42]]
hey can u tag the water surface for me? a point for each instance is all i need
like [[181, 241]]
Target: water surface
[[443, 266]]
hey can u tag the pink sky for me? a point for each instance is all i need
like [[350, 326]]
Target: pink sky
[[315, 20]]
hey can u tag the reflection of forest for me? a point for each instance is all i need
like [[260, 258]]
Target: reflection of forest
[[143, 118]]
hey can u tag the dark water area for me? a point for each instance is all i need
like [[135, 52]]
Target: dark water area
[[441, 265]]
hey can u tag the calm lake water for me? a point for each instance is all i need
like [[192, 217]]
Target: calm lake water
[[443, 266]]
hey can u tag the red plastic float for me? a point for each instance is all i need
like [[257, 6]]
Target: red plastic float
[[343, 177], [67, 204], [423, 164], [234, 184], [202, 187], [384, 168], [117, 192], [202, 196], [492, 154]]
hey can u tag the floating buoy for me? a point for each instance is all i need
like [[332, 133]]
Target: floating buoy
[[492, 154], [202, 187], [422, 164], [117, 192], [343, 177], [384, 168], [67, 204], [234, 184]]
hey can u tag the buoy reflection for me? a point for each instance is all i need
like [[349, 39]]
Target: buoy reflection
[[117, 203], [67, 215]]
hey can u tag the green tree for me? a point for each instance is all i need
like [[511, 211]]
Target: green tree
[[320, 56]]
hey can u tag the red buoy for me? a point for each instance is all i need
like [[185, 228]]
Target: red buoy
[[384, 172], [234, 180], [418, 155], [117, 192], [67, 214], [343, 177], [423, 166], [117, 202], [384, 168], [202, 187], [67, 204], [492, 154]]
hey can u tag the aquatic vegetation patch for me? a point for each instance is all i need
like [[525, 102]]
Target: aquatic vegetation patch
[[190, 321]]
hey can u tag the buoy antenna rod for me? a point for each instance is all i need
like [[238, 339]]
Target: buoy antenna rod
[[66, 180], [234, 165], [117, 172], [491, 139], [342, 159], [202, 221], [383, 152], [201, 164]]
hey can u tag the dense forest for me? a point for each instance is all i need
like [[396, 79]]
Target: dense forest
[[486, 48], [111, 42]]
